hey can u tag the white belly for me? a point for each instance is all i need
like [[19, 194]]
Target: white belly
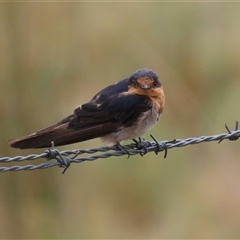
[[145, 123]]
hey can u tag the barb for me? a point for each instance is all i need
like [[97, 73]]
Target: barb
[[142, 147]]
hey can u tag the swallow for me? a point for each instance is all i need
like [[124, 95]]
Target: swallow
[[125, 110]]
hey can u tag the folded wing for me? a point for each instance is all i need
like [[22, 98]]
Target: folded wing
[[101, 116]]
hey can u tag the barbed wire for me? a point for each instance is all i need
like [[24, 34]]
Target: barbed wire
[[142, 147]]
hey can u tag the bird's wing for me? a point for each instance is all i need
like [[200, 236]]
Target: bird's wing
[[124, 109], [91, 120]]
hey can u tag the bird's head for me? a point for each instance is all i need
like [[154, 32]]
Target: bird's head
[[144, 79]]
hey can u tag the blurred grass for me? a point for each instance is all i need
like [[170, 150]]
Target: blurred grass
[[55, 56]]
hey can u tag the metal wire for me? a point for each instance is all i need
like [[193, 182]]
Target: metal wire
[[142, 147]]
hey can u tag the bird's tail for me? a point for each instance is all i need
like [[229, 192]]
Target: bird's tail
[[58, 134]]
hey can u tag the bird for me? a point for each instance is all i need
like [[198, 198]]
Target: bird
[[122, 111]]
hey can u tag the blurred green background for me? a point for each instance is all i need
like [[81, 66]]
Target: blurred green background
[[55, 56]]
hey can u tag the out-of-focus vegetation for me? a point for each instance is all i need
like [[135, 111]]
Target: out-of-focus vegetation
[[55, 56]]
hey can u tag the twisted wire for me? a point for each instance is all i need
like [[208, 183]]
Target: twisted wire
[[65, 158]]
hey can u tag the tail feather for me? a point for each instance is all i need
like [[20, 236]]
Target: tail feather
[[59, 136], [69, 130]]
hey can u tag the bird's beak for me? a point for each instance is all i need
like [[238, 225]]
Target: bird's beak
[[145, 87]]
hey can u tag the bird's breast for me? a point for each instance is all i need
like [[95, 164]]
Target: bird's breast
[[145, 122], [158, 98]]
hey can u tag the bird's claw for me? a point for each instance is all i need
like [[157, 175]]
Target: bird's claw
[[143, 144]]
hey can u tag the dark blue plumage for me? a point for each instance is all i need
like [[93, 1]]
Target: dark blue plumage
[[124, 110]]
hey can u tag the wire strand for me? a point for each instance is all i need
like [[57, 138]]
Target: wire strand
[[65, 158]]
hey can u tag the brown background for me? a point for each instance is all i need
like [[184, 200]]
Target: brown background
[[55, 56]]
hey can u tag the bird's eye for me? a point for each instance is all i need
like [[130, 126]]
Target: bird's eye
[[134, 84], [155, 84]]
